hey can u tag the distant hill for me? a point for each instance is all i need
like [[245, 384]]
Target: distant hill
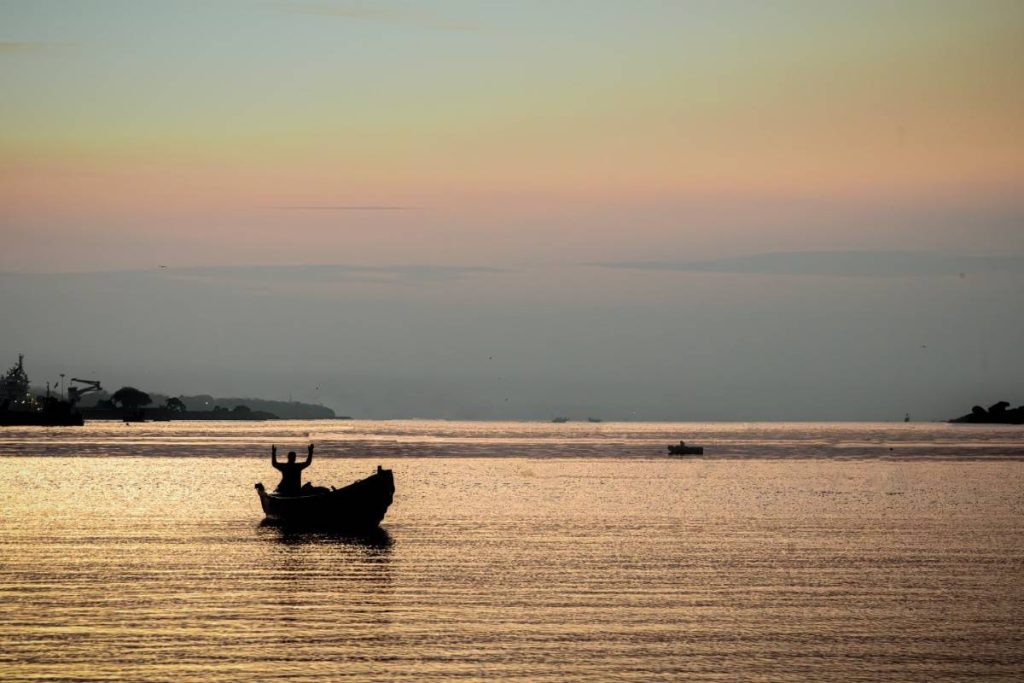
[[286, 410], [998, 413]]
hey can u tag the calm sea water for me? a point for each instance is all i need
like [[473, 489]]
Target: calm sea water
[[517, 551]]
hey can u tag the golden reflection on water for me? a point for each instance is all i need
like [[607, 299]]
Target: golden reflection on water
[[155, 569]]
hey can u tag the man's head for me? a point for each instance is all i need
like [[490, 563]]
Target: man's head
[[291, 456]]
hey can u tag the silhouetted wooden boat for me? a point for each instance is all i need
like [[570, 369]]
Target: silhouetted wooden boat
[[357, 507], [683, 449]]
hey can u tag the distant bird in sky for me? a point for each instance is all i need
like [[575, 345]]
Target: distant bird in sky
[[163, 266]]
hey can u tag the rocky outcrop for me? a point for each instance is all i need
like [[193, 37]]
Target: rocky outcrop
[[997, 413]]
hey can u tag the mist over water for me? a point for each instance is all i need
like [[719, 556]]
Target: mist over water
[[531, 552], [533, 342]]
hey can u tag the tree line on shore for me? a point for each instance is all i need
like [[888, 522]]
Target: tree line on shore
[[131, 399]]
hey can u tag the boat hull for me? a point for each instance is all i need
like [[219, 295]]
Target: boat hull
[[360, 506], [686, 450]]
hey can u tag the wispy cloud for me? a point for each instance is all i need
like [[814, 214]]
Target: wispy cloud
[[382, 14], [331, 273], [839, 264], [346, 207], [14, 46], [313, 280], [283, 273]]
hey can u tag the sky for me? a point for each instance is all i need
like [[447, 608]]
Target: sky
[[645, 210]]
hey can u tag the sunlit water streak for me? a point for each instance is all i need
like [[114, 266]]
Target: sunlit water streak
[[543, 552], [432, 438]]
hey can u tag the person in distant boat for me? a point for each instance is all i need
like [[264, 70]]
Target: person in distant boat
[[291, 471]]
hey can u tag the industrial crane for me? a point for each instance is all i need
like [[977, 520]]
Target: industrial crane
[[75, 394]]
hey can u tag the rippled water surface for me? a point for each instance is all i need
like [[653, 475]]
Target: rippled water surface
[[531, 552]]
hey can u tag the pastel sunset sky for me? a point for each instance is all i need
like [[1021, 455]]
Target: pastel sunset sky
[[522, 159]]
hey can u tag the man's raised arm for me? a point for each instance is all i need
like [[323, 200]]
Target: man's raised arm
[[309, 457], [273, 458]]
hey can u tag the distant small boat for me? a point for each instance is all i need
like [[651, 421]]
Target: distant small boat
[[594, 419], [683, 449], [560, 420], [360, 506]]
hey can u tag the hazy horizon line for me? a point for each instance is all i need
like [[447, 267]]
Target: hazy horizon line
[[822, 262]]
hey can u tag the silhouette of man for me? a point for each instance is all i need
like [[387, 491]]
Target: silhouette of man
[[291, 471]]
